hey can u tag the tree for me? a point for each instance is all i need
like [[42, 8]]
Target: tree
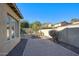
[[24, 24], [35, 25]]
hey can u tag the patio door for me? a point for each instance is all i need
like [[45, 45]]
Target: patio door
[[10, 28], [13, 29]]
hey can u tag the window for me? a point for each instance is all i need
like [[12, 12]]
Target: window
[[8, 28], [8, 32], [11, 34]]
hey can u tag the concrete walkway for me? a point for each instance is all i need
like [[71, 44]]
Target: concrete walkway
[[36, 47], [18, 49]]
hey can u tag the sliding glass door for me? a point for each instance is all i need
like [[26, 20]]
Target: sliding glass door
[[11, 28]]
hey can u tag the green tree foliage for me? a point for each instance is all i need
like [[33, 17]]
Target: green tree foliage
[[24, 24], [35, 25]]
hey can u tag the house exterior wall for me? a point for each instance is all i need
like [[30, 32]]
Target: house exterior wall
[[57, 25], [5, 44], [75, 22], [61, 24]]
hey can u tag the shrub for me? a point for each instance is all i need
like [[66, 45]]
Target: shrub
[[54, 35]]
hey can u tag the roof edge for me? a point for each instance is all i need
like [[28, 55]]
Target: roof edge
[[15, 9]]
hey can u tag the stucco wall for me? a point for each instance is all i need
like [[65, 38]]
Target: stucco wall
[[69, 34], [6, 45], [46, 32]]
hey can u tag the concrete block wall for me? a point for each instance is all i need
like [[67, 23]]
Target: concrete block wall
[[69, 34]]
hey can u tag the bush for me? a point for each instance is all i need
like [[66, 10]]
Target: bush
[[22, 31], [54, 35]]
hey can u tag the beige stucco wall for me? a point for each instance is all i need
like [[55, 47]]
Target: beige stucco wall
[[6, 45], [46, 32]]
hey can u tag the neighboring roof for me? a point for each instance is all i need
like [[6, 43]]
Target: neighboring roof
[[75, 20], [62, 22], [15, 9]]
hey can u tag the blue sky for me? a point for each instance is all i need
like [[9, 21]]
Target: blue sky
[[48, 12]]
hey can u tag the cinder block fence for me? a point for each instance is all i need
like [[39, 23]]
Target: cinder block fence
[[69, 34]]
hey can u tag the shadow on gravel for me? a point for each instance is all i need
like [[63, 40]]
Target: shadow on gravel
[[18, 49], [70, 47]]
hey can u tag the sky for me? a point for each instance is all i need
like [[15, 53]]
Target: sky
[[49, 12]]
